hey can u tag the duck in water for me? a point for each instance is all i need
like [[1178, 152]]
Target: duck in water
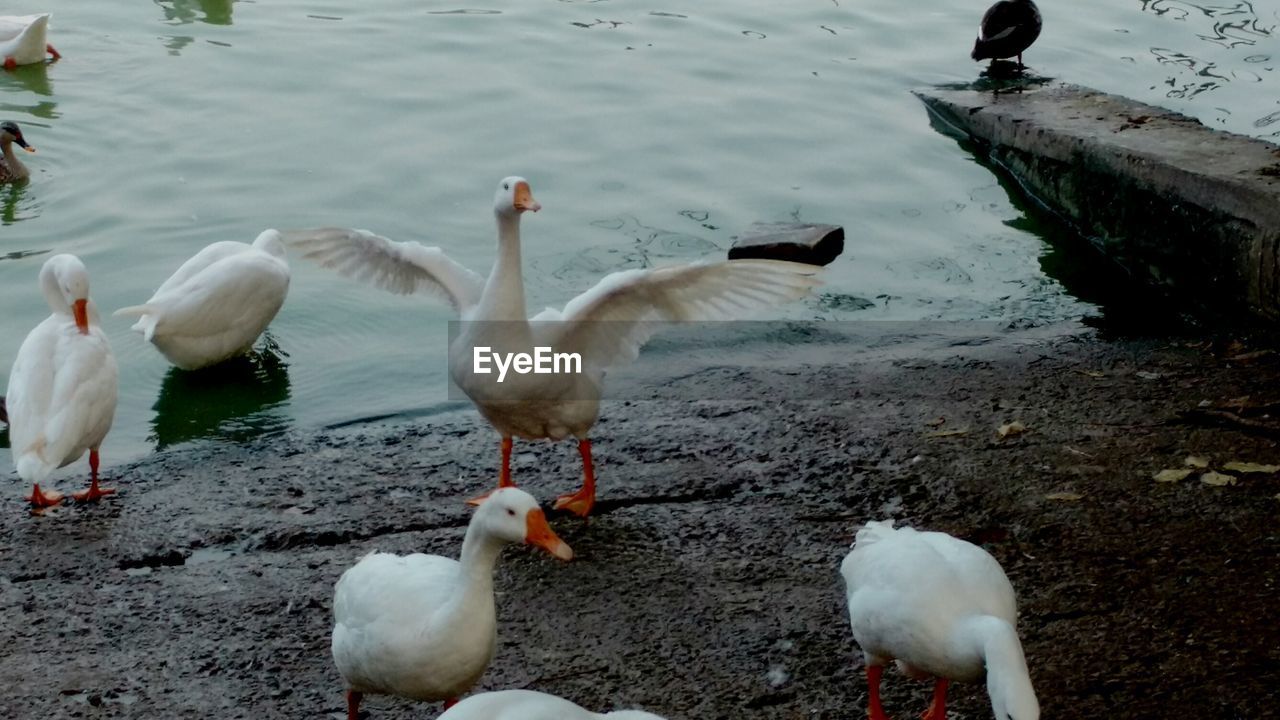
[[11, 168]]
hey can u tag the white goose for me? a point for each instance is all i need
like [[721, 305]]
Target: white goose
[[217, 304], [942, 608], [424, 626], [62, 390], [605, 326], [22, 40], [530, 705]]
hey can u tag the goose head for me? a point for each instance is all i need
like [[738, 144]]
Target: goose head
[[514, 197], [512, 515], [11, 133], [65, 284]]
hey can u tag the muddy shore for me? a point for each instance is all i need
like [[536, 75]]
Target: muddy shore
[[706, 585]]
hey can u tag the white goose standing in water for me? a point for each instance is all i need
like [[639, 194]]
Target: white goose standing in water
[[605, 326], [22, 40], [62, 390], [217, 303], [942, 608]]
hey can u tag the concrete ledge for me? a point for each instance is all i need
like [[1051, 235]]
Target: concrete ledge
[[1187, 208]]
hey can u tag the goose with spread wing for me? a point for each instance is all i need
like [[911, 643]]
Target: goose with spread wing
[[943, 609], [604, 326]]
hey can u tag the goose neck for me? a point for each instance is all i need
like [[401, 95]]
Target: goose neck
[[504, 292]]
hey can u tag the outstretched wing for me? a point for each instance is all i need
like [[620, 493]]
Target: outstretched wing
[[610, 322], [398, 267]]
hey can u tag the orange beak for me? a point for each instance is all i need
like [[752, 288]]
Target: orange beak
[[81, 310], [538, 532], [524, 198]]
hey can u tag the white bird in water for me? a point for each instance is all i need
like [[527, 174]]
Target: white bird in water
[[530, 705], [604, 326], [62, 390], [22, 40], [943, 609], [216, 304]]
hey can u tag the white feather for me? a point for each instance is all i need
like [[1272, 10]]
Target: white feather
[[531, 705]]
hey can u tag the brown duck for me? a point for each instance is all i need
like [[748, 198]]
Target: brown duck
[[11, 168], [1007, 29]]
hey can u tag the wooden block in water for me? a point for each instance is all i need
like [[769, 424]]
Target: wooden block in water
[[797, 242]]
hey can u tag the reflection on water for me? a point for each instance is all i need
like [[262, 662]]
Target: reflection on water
[[29, 78], [1227, 26], [17, 203], [236, 400], [183, 12], [24, 81], [1233, 24]]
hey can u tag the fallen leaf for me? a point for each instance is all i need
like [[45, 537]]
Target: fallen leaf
[[1172, 475], [1076, 451], [1064, 496], [947, 433], [1010, 429], [1147, 375], [1250, 467], [1247, 357], [935, 422], [1217, 479], [1091, 373], [1195, 461]]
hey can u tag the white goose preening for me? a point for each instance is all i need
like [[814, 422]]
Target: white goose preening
[[942, 608], [530, 705], [11, 168], [22, 40], [424, 626], [605, 325], [217, 303], [62, 390]]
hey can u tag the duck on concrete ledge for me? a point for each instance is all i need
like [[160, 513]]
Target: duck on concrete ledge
[[1008, 28]]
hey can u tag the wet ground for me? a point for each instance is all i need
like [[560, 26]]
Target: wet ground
[[706, 586]]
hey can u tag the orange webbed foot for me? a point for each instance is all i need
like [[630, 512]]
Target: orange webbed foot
[[53, 53], [10, 63], [579, 503], [41, 499], [93, 494]]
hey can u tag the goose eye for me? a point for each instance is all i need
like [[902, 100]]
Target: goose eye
[[506, 186], [511, 512]]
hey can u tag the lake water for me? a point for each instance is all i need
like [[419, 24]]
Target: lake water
[[652, 133]]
